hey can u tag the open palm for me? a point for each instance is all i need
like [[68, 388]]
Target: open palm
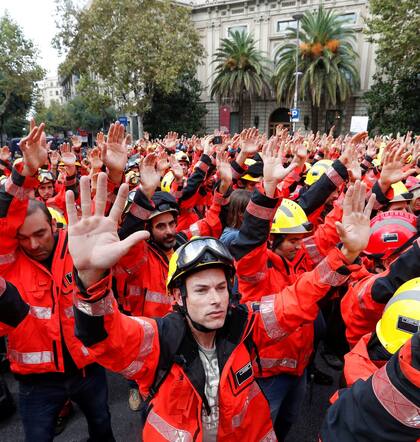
[[354, 230], [93, 240]]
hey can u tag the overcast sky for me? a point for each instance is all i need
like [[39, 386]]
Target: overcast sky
[[37, 19]]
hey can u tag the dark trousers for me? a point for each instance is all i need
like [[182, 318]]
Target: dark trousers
[[40, 402]]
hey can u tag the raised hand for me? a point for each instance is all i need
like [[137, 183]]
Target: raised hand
[[176, 168], [94, 157], [76, 142], [34, 149], [54, 158], [358, 138], [149, 175], [170, 140], [208, 146], [225, 171], [249, 141], [274, 171], [114, 151], [162, 163], [4, 153], [300, 155], [354, 229], [393, 161], [93, 239]]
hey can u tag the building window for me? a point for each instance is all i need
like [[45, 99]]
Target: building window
[[347, 19], [56, 92], [283, 25], [238, 28]]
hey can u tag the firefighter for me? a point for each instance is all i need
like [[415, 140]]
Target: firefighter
[[52, 365], [196, 362], [385, 407]]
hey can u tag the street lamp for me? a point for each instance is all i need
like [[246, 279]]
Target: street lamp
[[296, 17]]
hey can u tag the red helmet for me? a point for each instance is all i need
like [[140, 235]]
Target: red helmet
[[389, 231]]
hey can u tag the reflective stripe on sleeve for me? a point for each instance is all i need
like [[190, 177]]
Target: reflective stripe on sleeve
[[269, 437], [195, 229], [394, 402], [17, 191], [99, 308], [69, 312], [335, 177], [254, 390], [31, 358], [158, 298], [268, 316], [166, 430], [261, 212], [283, 362], [8, 258], [145, 348], [329, 276], [312, 250], [139, 212], [40, 312]]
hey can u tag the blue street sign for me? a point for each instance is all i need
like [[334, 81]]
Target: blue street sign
[[123, 120], [295, 115]]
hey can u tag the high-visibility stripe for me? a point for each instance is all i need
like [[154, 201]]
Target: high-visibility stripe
[[69, 312], [40, 312], [269, 437], [158, 298], [139, 212], [219, 199], [202, 165], [394, 402], [268, 316], [256, 277], [195, 229], [99, 308], [312, 250], [8, 258], [328, 276], [254, 390], [31, 358], [17, 191], [283, 362], [335, 177], [2, 285], [166, 430], [261, 212], [145, 348]]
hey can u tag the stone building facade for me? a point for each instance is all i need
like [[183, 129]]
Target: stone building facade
[[267, 21]]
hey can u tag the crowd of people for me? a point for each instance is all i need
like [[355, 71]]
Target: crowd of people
[[206, 271]]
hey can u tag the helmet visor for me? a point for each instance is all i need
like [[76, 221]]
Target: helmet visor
[[194, 250], [45, 176]]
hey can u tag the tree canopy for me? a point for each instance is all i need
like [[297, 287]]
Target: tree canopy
[[326, 60], [19, 72], [129, 47], [394, 99]]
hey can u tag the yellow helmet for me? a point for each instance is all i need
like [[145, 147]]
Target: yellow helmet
[[317, 170], [401, 316], [58, 217], [195, 255], [182, 156], [250, 162], [167, 181], [401, 192], [290, 218]]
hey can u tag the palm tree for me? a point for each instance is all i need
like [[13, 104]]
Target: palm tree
[[242, 71], [326, 61]]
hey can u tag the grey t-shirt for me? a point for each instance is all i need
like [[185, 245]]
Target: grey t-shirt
[[211, 368]]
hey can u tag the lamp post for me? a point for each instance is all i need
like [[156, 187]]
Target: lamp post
[[296, 17]]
